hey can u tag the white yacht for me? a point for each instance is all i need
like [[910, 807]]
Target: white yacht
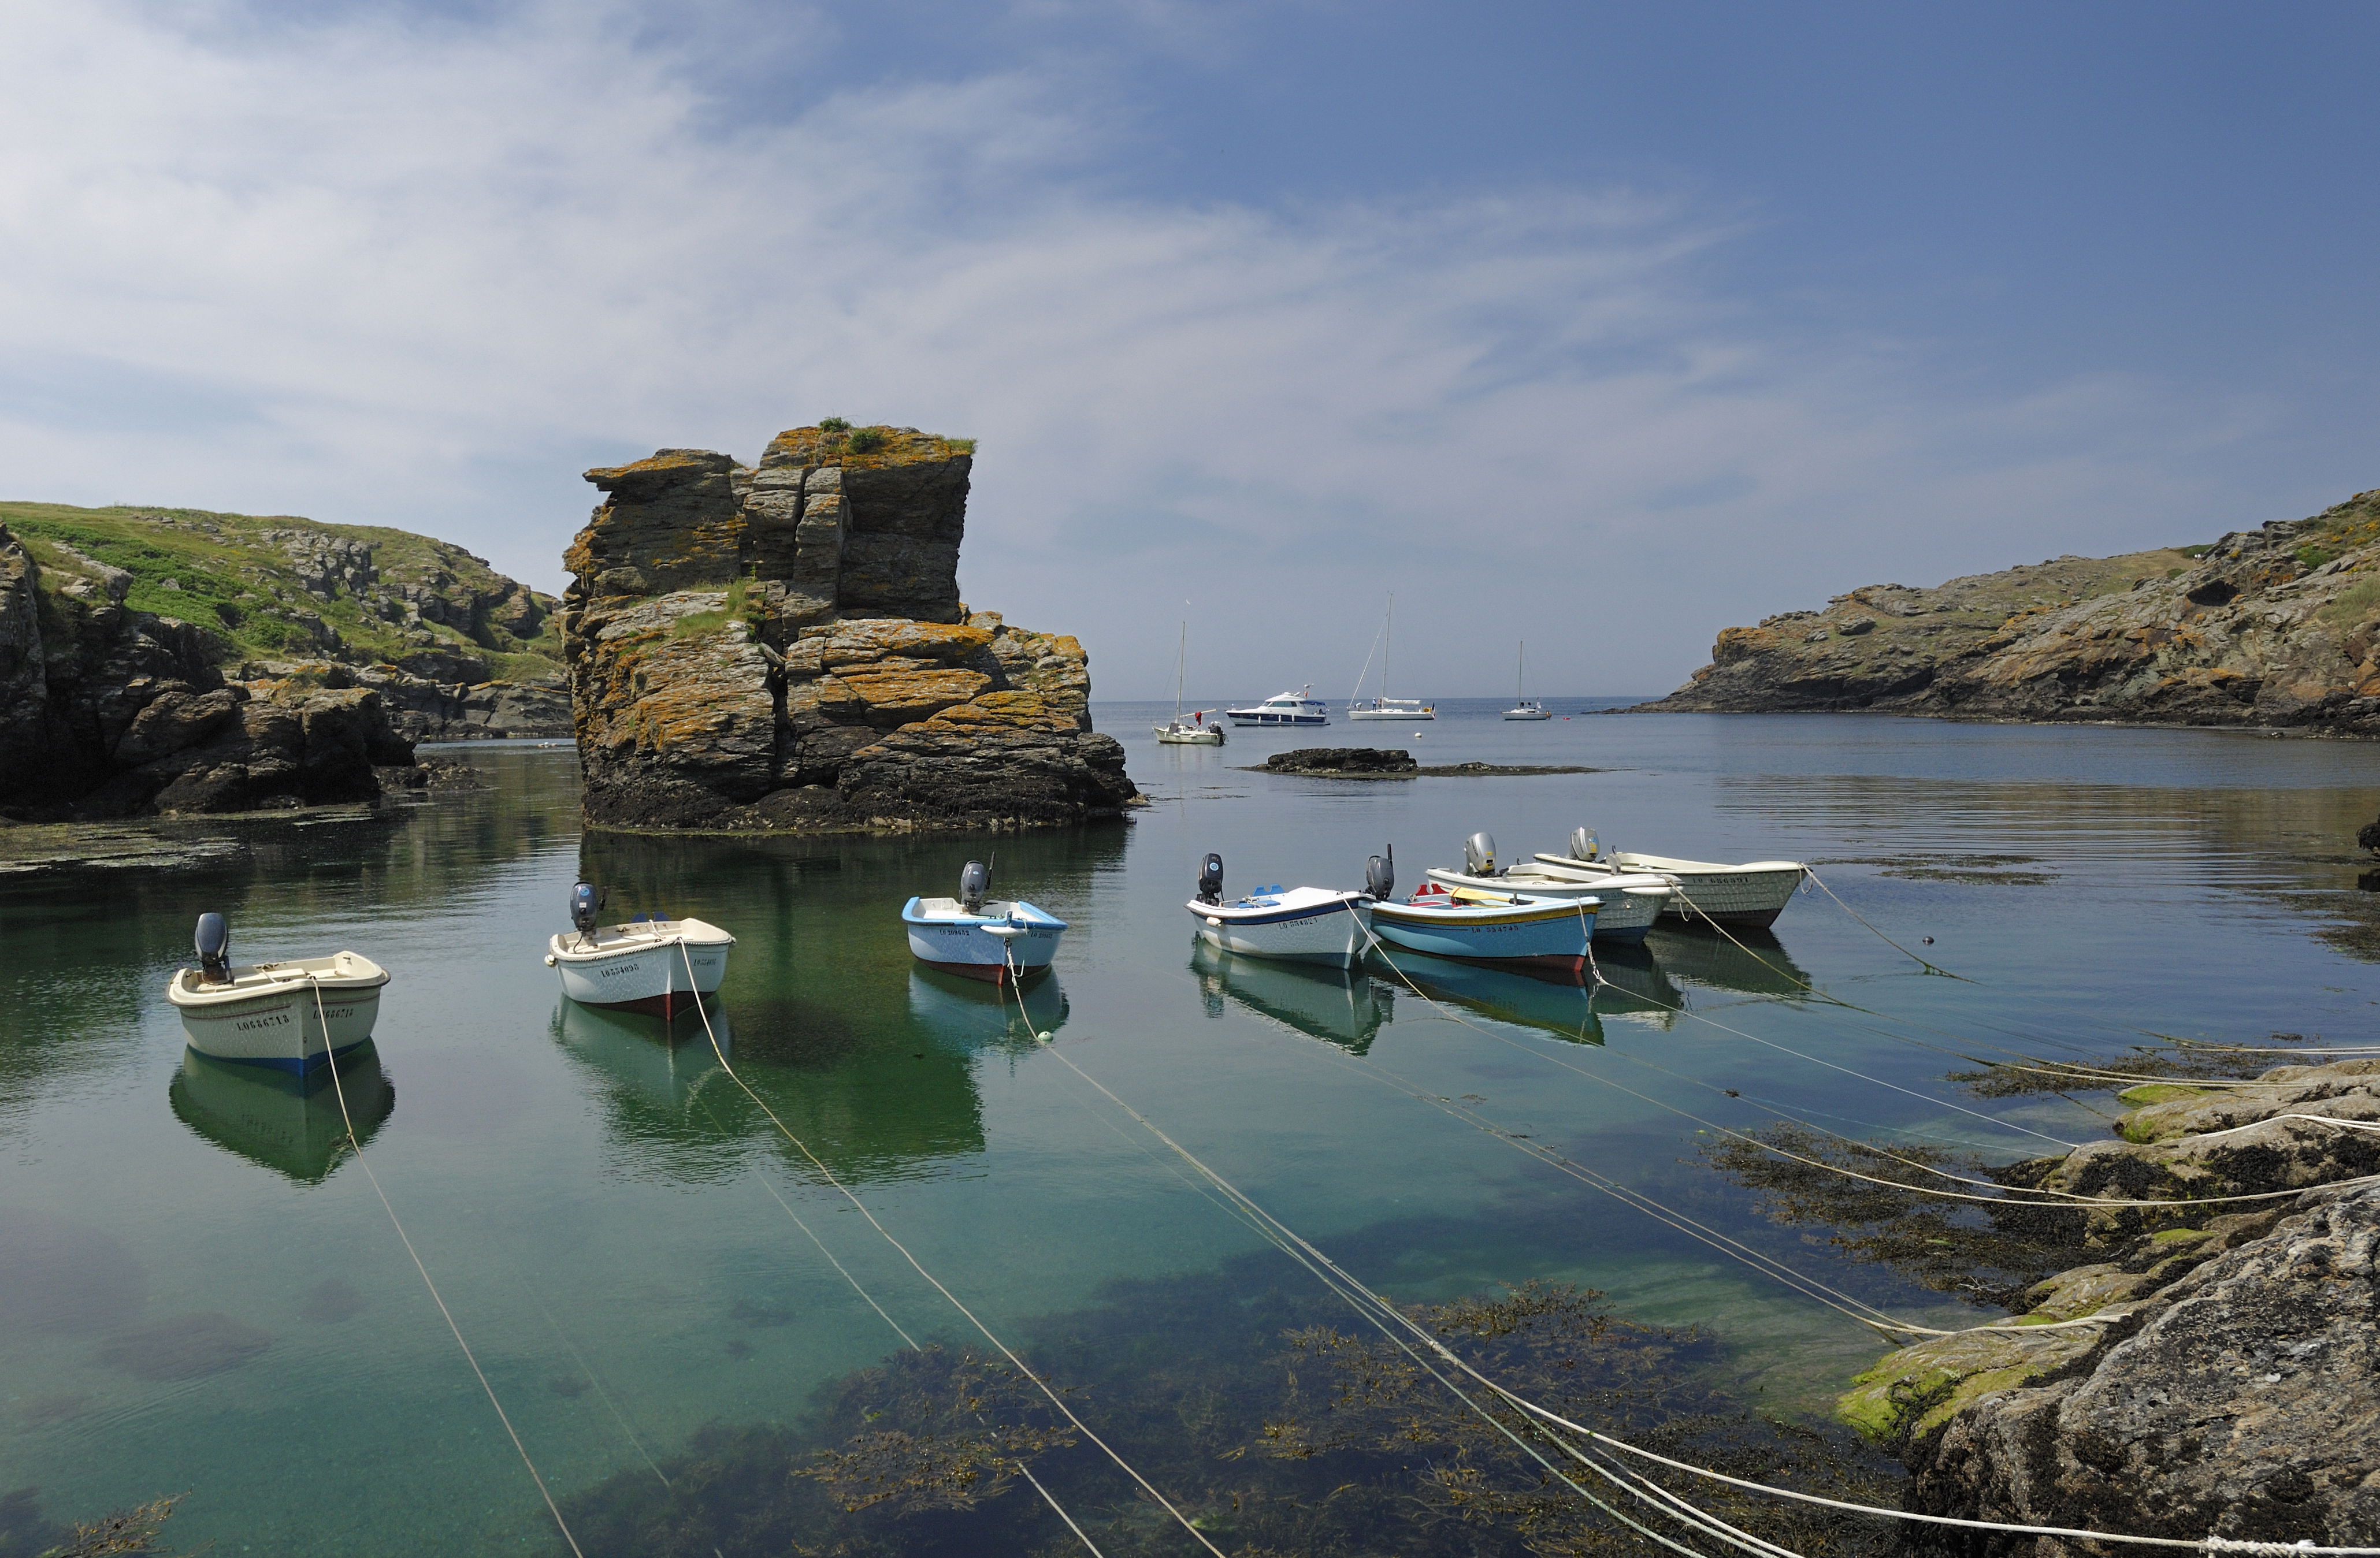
[[1525, 709], [1385, 707], [1193, 731], [1301, 707]]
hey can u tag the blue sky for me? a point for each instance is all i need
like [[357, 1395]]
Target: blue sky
[[1630, 321]]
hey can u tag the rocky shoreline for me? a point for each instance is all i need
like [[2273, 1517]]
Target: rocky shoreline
[[783, 647], [2277, 627], [2227, 1381], [1390, 762]]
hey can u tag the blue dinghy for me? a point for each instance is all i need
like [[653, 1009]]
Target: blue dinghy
[[979, 938]]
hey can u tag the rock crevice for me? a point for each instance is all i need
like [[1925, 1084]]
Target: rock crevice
[[784, 647]]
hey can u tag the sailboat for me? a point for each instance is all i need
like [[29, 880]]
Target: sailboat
[[1385, 707], [1525, 709], [1195, 731]]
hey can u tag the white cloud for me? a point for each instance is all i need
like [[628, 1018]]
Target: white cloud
[[419, 272]]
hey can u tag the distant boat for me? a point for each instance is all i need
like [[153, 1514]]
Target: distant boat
[[1000, 941], [1385, 707], [1306, 925], [1197, 733], [1525, 709], [1301, 707], [295, 1016], [653, 963], [1752, 894]]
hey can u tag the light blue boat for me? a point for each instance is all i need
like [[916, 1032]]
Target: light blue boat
[[981, 938], [1547, 933]]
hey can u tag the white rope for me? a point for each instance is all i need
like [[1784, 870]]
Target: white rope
[[356, 1142], [828, 1174]]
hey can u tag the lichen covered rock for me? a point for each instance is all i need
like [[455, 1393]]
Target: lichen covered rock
[[784, 648]]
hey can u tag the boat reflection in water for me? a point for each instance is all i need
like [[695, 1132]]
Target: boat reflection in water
[[1753, 963], [658, 1061], [288, 1124], [1344, 1007], [973, 1014], [1562, 1006]]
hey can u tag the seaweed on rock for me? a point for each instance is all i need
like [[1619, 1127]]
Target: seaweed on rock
[[1270, 1425]]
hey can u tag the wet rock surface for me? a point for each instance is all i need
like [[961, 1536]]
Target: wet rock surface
[[2277, 626], [1349, 762], [783, 648], [2228, 1383]]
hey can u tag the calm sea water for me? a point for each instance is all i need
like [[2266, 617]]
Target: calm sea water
[[197, 1295]]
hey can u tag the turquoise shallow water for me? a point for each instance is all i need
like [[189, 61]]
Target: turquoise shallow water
[[196, 1295]]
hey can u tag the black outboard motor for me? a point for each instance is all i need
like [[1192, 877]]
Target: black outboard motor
[[1381, 875], [1479, 855], [1210, 879], [214, 942], [584, 906], [974, 882]]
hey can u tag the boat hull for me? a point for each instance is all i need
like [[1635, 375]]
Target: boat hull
[[1749, 896], [1334, 931], [1552, 936], [1256, 718], [1358, 712], [282, 1028], [964, 946], [649, 975], [1624, 913], [1189, 735]]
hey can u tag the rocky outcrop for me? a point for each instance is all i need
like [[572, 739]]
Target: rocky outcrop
[[1345, 762], [107, 712], [2228, 1383], [785, 646], [2277, 626]]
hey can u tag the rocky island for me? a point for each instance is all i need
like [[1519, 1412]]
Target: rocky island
[[2277, 626], [169, 662], [784, 647]]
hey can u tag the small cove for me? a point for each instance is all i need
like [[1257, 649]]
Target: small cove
[[182, 1310]]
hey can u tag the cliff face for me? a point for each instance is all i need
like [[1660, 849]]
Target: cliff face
[[784, 648], [2278, 626], [2234, 1387]]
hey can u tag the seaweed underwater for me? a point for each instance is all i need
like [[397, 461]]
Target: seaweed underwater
[[1274, 1427]]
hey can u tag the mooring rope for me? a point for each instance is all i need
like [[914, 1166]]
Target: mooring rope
[[861, 1207], [356, 1142], [1379, 1311]]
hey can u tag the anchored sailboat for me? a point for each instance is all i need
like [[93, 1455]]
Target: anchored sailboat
[[1385, 707], [1197, 731], [1525, 709]]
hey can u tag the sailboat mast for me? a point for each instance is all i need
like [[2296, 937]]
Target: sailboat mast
[[1181, 660], [1387, 640]]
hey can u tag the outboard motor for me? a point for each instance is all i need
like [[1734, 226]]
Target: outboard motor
[[584, 906], [974, 882], [1479, 855], [1581, 844], [1210, 879], [213, 942], [1380, 875]]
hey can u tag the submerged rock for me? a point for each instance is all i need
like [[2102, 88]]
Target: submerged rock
[[784, 648]]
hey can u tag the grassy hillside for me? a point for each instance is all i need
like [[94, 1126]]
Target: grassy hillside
[[277, 587]]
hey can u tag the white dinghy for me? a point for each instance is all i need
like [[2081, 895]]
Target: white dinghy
[[1630, 900], [653, 963], [1308, 925], [292, 1016], [1752, 894], [1001, 941]]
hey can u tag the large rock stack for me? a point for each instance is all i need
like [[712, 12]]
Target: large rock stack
[[784, 648]]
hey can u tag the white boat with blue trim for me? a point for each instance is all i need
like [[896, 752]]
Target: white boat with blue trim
[[1629, 901], [293, 1016], [1301, 707], [1517, 928], [981, 937], [653, 963], [1306, 925]]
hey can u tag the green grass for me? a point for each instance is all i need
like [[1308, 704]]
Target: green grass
[[697, 624], [2356, 603]]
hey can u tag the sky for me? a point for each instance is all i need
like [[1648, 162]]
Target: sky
[[1606, 326]]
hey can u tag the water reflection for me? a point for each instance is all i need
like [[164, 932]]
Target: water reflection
[[1563, 1007], [289, 1124], [1753, 964], [971, 1014], [661, 1063], [1343, 1007]]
